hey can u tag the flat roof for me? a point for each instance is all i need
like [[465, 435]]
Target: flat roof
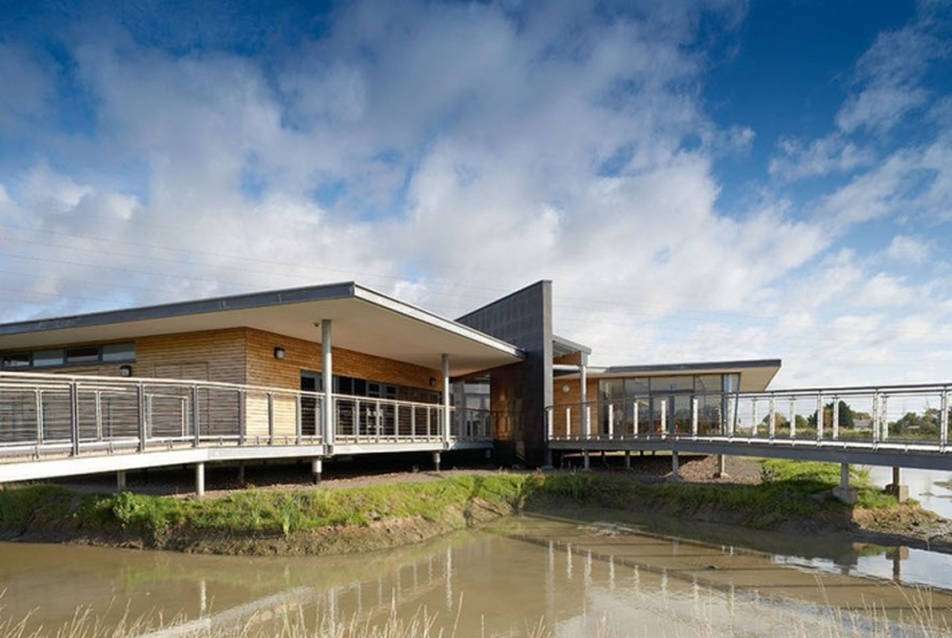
[[363, 320], [755, 374]]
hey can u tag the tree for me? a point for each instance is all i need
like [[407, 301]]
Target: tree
[[844, 418]]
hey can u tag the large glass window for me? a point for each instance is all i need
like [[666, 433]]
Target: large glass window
[[16, 360], [46, 358]]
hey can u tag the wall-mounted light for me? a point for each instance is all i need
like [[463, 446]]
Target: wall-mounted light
[[565, 388], [279, 353], [432, 382], [125, 370]]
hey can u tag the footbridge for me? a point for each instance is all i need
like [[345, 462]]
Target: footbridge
[[56, 425], [898, 426]]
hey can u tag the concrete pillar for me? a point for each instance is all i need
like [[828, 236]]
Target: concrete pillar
[[241, 473], [200, 480], [843, 491], [721, 471], [675, 476], [627, 459], [327, 374], [586, 462], [436, 461], [121, 481], [896, 488], [317, 468]]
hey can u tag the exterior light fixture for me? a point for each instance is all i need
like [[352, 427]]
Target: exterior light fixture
[[279, 353], [125, 370], [432, 382], [565, 388]]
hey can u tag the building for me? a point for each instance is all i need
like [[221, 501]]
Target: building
[[323, 347]]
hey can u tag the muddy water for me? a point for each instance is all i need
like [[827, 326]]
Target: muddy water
[[923, 486], [595, 578]]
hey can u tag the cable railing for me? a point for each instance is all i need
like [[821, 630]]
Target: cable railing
[[909, 416], [43, 414]]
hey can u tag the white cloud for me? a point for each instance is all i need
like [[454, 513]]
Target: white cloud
[[907, 249]]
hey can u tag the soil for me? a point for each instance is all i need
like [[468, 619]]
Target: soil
[[907, 525]]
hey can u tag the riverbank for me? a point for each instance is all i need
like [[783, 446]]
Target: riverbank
[[388, 511]]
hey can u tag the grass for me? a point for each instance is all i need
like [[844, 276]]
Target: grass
[[790, 491]]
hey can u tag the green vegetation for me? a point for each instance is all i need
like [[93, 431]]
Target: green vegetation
[[791, 491]]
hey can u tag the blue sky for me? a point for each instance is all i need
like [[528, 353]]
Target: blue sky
[[701, 180]]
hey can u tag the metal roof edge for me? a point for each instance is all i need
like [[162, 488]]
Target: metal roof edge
[[704, 365], [375, 297], [574, 346]]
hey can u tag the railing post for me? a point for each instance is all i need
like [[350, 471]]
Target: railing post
[[587, 417], [140, 407], [611, 420], [793, 417], [876, 417], [548, 423], [836, 418], [694, 417], [38, 397], [568, 422], [196, 425], [74, 417], [242, 426], [884, 418], [819, 416], [634, 425], [358, 418], [298, 429], [270, 418], [664, 418], [772, 418], [99, 415], [944, 419], [754, 425], [413, 422]]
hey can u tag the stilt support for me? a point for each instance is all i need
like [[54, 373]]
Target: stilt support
[[586, 461], [627, 459], [241, 473], [121, 481], [436, 461], [896, 488], [843, 491], [200, 480], [317, 468], [675, 476], [721, 471]]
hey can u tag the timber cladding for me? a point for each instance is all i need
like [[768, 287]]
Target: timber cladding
[[264, 369]]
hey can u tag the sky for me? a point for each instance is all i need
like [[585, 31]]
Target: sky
[[702, 180]]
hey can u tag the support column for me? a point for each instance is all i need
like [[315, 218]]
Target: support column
[[436, 461], [317, 468], [586, 462], [121, 481], [675, 476], [843, 491], [896, 488], [327, 374], [627, 459], [447, 416], [200, 480], [241, 473], [721, 471], [583, 401]]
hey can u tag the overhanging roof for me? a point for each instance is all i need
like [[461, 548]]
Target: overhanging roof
[[363, 320], [755, 375]]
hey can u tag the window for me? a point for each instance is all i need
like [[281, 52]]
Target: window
[[119, 352], [46, 358], [16, 360], [82, 354]]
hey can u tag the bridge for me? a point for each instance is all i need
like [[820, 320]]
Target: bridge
[[58, 425], [898, 426]]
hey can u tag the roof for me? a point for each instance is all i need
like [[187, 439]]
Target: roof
[[755, 374], [363, 320], [562, 346]]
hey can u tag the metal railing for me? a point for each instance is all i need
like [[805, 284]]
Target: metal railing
[[44, 414], [909, 416]]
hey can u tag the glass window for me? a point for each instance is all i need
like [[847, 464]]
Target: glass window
[[672, 384], [46, 358], [708, 383], [16, 360], [636, 387], [119, 352], [731, 382], [82, 354]]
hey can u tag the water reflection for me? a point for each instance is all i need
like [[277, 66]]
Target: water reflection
[[575, 578]]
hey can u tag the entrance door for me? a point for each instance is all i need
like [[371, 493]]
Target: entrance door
[[310, 382]]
